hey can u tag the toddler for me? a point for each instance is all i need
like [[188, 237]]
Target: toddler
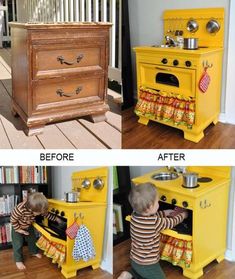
[[22, 217], [145, 227]]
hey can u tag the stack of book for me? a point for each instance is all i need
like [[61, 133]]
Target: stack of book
[[117, 219], [5, 233], [7, 203], [35, 174]]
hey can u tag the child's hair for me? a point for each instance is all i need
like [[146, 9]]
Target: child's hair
[[142, 196], [37, 202]]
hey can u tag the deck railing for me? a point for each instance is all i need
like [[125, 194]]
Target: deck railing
[[7, 13], [79, 10]]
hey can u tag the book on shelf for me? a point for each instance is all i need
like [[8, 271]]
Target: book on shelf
[[5, 233], [23, 174], [7, 203], [117, 209]]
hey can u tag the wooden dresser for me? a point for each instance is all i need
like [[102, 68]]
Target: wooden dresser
[[59, 72]]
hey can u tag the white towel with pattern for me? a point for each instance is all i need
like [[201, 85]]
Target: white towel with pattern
[[83, 248]]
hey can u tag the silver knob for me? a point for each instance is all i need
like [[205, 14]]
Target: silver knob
[[86, 183], [98, 183]]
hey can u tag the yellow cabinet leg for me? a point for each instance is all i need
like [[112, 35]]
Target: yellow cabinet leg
[[193, 137], [215, 121], [220, 258], [68, 274], [193, 275], [95, 266], [143, 120]]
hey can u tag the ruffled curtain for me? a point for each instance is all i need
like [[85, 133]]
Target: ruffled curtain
[[176, 251], [166, 106], [53, 250]]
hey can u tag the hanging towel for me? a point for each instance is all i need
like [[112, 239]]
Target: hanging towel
[[83, 245]]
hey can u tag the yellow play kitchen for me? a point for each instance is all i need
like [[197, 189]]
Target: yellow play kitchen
[[179, 81], [75, 240], [201, 238]]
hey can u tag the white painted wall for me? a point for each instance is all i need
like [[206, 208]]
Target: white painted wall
[[137, 171], [146, 26], [61, 182]]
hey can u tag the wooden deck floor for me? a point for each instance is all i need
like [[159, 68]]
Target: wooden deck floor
[[157, 136], [73, 134]]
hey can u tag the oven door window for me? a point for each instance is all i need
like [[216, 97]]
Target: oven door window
[[170, 79]]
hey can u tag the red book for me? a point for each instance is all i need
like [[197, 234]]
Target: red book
[[4, 236]]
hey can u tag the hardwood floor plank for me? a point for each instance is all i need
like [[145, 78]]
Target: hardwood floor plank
[[79, 136], [41, 268], [14, 126], [4, 73], [114, 120], [52, 138], [106, 133], [4, 142], [157, 136], [5, 54], [121, 261]]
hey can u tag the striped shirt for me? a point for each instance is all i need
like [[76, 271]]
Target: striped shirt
[[145, 235], [22, 217]]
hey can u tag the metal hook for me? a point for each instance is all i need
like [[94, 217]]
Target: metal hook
[[206, 64]]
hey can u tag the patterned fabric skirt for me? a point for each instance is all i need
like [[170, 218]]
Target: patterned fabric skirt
[[53, 250], [176, 251], [166, 106]]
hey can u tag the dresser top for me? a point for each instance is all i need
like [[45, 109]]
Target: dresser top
[[60, 25]]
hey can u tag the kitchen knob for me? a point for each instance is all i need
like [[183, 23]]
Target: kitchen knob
[[163, 198], [62, 213], [174, 201], [53, 210], [175, 62], [164, 61], [185, 204], [188, 63], [86, 183], [98, 183], [57, 211]]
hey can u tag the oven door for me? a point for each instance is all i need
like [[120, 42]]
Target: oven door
[[169, 79], [49, 234]]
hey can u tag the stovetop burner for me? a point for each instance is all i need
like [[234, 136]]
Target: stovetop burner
[[191, 187], [204, 179]]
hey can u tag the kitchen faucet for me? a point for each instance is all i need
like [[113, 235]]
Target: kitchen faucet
[[170, 41], [177, 169]]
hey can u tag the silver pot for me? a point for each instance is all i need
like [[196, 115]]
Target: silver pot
[[71, 196], [190, 179], [213, 26], [190, 43]]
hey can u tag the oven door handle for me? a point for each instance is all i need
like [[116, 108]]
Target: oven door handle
[[163, 69]]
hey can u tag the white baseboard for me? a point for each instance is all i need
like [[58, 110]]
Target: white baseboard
[[230, 255], [226, 119], [105, 265]]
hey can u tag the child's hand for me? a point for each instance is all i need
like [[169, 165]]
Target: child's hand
[[23, 232], [169, 212], [185, 214], [58, 220]]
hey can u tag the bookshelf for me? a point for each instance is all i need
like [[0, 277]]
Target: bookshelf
[[121, 204], [15, 184]]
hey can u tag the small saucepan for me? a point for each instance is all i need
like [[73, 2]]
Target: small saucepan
[[190, 43], [190, 179], [71, 196]]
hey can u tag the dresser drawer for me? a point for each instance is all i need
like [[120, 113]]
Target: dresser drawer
[[54, 94], [56, 60]]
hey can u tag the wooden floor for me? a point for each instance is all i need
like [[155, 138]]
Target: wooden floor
[[156, 136], [223, 270], [78, 133], [41, 268]]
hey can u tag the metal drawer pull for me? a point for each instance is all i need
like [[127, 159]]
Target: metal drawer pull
[[163, 69], [62, 94], [62, 60]]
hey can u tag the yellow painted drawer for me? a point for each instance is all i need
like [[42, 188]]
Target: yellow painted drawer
[[56, 60], [167, 78], [52, 94]]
